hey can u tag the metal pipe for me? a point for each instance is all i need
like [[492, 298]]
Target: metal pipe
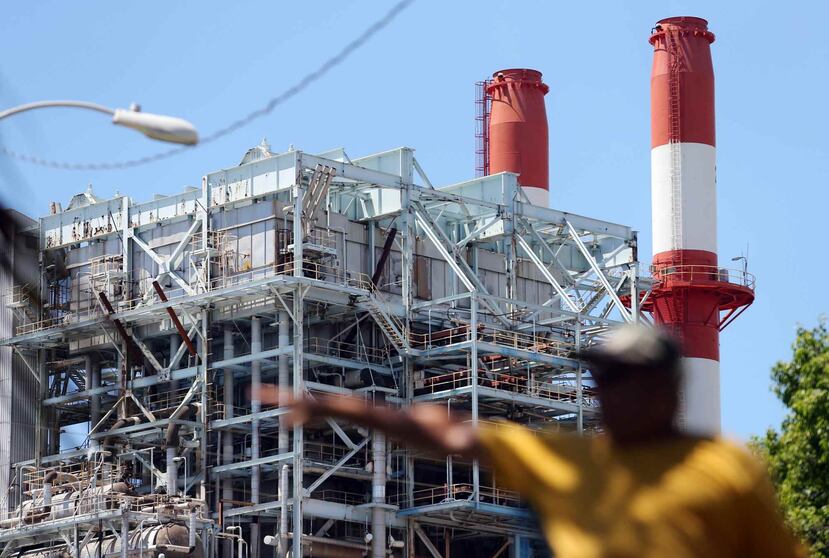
[[175, 340], [172, 473], [191, 535], [94, 382], [284, 378], [255, 407], [378, 491], [282, 549], [171, 445]]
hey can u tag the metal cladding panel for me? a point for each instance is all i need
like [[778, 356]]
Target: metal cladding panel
[[252, 179], [164, 208], [398, 162], [81, 224], [18, 388], [500, 188]]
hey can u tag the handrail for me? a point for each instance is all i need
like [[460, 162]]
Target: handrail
[[706, 273]]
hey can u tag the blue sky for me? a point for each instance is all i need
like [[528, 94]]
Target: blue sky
[[212, 62]]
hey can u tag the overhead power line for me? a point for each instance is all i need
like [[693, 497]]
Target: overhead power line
[[266, 109]]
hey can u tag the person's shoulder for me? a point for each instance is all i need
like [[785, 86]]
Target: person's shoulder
[[730, 460]]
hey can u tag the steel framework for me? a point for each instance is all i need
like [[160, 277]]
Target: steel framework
[[327, 274]]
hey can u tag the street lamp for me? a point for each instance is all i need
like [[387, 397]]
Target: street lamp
[[155, 126], [745, 263]]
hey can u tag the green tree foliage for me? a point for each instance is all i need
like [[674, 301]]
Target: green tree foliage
[[798, 455]]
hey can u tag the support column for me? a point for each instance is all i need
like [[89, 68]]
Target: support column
[[299, 379], [579, 383], [204, 351], [473, 311], [255, 407], [227, 434]]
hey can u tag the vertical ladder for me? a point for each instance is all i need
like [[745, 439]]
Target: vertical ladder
[[483, 107], [675, 65]]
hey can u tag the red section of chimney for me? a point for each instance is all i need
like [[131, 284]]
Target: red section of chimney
[[518, 127]]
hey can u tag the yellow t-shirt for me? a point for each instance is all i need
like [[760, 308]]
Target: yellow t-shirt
[[679, 498]]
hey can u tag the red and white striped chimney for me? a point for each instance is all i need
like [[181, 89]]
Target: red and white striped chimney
[[690, 290]]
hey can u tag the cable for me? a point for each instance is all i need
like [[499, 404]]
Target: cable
[[292, 91]]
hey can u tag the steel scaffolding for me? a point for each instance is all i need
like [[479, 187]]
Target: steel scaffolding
[[329, 275]]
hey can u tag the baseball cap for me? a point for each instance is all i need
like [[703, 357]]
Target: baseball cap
[[633, 346]]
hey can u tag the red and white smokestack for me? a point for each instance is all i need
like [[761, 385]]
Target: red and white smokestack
[[689, 290], [518, 139]]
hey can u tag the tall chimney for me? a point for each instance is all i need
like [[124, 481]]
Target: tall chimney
[[690, 291], [518, 130]]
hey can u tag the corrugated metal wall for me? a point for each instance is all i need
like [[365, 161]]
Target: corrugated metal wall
[[18, 387]]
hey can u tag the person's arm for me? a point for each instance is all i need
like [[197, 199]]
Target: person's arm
[[766, 533], [427, 427]]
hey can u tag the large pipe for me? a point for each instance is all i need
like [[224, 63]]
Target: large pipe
[[283, 512], [518, 135], [171, 445], [284, 341], [378, 492], [255, 407], [688, 290], [170, 539], [95, 400], [175, 341]]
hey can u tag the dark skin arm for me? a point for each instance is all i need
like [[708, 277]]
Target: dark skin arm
[[427, 427]]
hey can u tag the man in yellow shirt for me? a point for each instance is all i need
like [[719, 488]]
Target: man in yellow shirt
[[642, 489]]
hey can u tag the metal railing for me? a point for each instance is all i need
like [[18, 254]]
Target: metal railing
[[455, 492], [703, 274], [532, 341], [349, 351], [505, 382]]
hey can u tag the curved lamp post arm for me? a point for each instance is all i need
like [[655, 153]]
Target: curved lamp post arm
[[52, 104], [156, 126]]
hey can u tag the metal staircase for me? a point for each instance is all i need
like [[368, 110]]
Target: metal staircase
[[393, 327]]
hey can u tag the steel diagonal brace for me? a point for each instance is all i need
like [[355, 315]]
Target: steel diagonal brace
[[147, 413], [69, 545], [26, 362], [599, 273], [467, 276], [122, 331], [553, 256], [11, 545], [546, 273], [341, 433], [478, 231], [426, 542], [174, 318], [181, 349], [165, 265], [336, 467], [147, 354]]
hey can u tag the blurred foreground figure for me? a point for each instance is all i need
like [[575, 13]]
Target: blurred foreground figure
[[643, 489]]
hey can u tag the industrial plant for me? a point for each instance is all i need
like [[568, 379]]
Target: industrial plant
[[148, 326]]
